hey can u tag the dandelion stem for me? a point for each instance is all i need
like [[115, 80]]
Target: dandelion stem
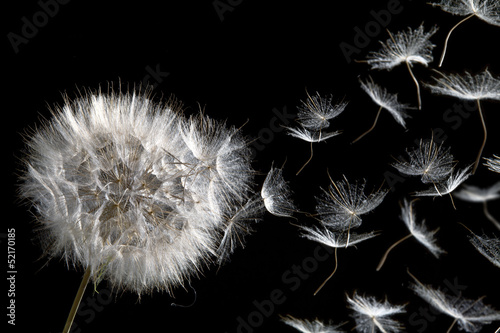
[[76, 302], [330, 276], [484, 138], [371, 128], [416, 84], [448, 37], [307, 162], [489, 216], [384, 257]]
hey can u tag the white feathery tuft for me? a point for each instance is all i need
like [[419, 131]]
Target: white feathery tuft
[[276, 194], [419, 230], [135, 192], [430, 161], [308, 326], [471, 315], [386, 100], [372, 315]]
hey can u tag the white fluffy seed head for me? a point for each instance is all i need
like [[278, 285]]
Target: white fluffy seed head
[[133, 189]]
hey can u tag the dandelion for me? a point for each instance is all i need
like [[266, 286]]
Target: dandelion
[[341, 207], [276, 194], [313, 116], [470, 315], [134, 192], [334, 239], [430, 161], [418, 230], [486, 10], [409, 47], [386, 101], [371, 315], [484, 195], [308, 326], [448, 186], [489, 247], [316, 111], [469, 87]]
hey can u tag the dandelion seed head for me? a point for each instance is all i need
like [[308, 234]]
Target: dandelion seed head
[[131, 188]]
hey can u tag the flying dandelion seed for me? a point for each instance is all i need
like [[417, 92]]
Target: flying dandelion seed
[[470, 315], [447, 186], [408, 47], [340, 208], [308, 326], [484, 195], [136, 193], [276, 194], [489, 247], [372, 315], [417, 230], [386, 101], [334, 239], [469, 87], [314, 116], [486, 10], [430, 161]]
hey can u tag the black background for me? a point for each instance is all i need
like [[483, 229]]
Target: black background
[[257, 57]]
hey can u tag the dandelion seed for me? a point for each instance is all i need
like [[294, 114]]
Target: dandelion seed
[[493, 164], [334, 239], [470, 315], [371, 315], [307, 326], [276, 194], [238, 225], [409, 47], [430, 161], [448, 186], [475, 194], [310, 136], [423, 235], [315, 113], [133, 191], [386, 101], [314, 116], [342, 205], [469, 87], [489, 247], [486, 10]]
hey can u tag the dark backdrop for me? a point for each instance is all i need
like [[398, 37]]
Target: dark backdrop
[[251, 62]]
